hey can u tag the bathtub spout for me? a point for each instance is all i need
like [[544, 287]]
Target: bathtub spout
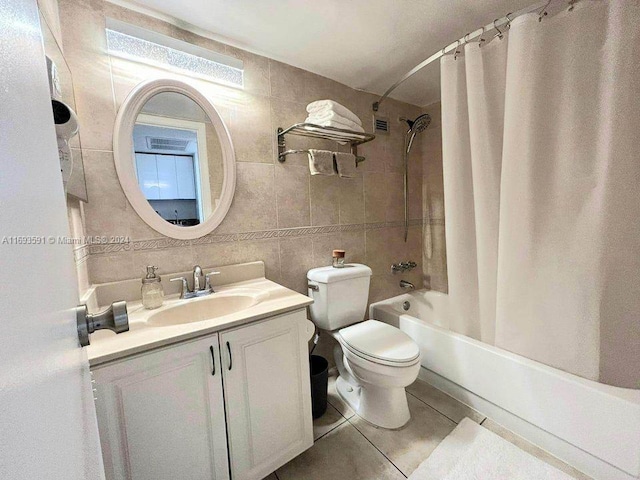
[[407, 285]]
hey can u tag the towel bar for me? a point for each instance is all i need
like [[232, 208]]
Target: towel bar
[[359, 158]]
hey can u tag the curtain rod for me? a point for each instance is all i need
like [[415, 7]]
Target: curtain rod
[[541, 7]]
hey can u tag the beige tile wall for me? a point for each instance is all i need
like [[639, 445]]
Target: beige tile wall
[[270, 196]]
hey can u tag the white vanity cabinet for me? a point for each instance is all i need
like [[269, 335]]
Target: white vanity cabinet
[[161, 414], [267, 394]]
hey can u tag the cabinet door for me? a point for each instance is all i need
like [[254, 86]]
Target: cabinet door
[[147, 171], [185, 177], [167, 179], [161, 414], [267, 393]]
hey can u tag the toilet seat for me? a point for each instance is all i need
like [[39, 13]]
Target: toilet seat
[[380, 343]]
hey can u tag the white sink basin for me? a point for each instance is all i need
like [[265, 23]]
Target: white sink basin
[[205, 308]]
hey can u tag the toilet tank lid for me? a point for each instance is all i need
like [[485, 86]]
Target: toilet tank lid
[[331, 274]]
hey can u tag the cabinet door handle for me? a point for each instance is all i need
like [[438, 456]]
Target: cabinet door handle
[[230, 360], [213, 361]]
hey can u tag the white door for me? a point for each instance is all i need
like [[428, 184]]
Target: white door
[[161, 414], [267, 394], [48, 427]]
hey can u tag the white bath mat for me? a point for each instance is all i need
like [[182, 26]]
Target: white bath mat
[[472, 452]]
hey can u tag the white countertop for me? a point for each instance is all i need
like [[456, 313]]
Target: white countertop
[[106, 346]]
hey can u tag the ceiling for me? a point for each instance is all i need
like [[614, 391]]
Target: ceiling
[[365, 44]]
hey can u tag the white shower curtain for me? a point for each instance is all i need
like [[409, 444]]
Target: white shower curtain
[[541, 152]]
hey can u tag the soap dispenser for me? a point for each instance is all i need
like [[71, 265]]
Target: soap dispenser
[[152, 292]]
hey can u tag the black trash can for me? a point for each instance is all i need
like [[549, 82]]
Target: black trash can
[[319, 379]]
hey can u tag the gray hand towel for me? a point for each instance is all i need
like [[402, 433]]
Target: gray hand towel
[[321, 162], [346, 164]]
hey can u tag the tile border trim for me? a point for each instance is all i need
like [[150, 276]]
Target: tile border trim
[[164, 243]]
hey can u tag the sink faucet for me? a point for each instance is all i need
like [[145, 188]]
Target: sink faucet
[[407, 285], [197, 273], [197, 291]]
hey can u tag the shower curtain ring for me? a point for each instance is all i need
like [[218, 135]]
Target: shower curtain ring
[[481, 40], [543, 12], [457, 52], [508, 26], [499, 34]]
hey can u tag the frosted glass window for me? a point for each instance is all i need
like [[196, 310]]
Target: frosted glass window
[[135, 48]]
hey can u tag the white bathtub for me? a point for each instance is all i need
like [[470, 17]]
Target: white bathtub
[[592, 426]]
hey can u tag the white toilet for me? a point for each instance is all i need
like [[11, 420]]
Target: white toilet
[[375, 360]]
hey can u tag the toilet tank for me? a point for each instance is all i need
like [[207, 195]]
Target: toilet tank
[[341, 297]]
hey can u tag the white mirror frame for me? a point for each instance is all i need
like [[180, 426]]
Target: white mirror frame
[[125, 164]]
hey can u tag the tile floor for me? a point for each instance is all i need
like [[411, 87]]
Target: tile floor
[[346, 447]]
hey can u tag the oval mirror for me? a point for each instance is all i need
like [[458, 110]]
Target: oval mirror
[[174, 158]]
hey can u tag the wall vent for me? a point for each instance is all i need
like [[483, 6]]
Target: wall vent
[[381, 125], [159, 143]]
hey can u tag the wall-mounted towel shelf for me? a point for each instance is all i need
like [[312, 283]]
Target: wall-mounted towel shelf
[[327, 133]]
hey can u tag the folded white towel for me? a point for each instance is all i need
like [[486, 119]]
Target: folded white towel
[[346, 164], [335, 124], [330, 105], [321, 162], [319, 119]]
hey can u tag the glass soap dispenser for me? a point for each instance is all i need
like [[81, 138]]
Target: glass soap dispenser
[[152, 292]]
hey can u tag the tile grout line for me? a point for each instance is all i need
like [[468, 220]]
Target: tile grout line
[[374, 446], [345, 419], [433, 408], [329, 431]]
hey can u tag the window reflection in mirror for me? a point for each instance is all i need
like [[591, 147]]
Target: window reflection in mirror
[[178, 159]]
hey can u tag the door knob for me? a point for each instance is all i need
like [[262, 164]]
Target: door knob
[[115, 318]]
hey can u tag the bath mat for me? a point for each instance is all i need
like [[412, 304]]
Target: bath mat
[[472, 452]]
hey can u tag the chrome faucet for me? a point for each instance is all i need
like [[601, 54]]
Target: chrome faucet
[[197, 291], [197, 273], [402, 266], [407, 285]]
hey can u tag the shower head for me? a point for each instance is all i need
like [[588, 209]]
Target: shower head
[[420, 124], [416, 126]]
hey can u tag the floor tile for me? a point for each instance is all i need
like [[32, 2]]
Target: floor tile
[[410, 445], [335, 399], [341, 454], [534, 450], [443, 403], [327, 422]]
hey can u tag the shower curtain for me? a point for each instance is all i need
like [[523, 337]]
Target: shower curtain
[[541, 160]]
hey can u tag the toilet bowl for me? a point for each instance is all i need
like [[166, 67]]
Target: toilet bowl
[[373, 378], [375, 360]]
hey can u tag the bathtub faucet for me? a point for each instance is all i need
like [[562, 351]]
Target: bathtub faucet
[[402, 266], [407, 285]]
